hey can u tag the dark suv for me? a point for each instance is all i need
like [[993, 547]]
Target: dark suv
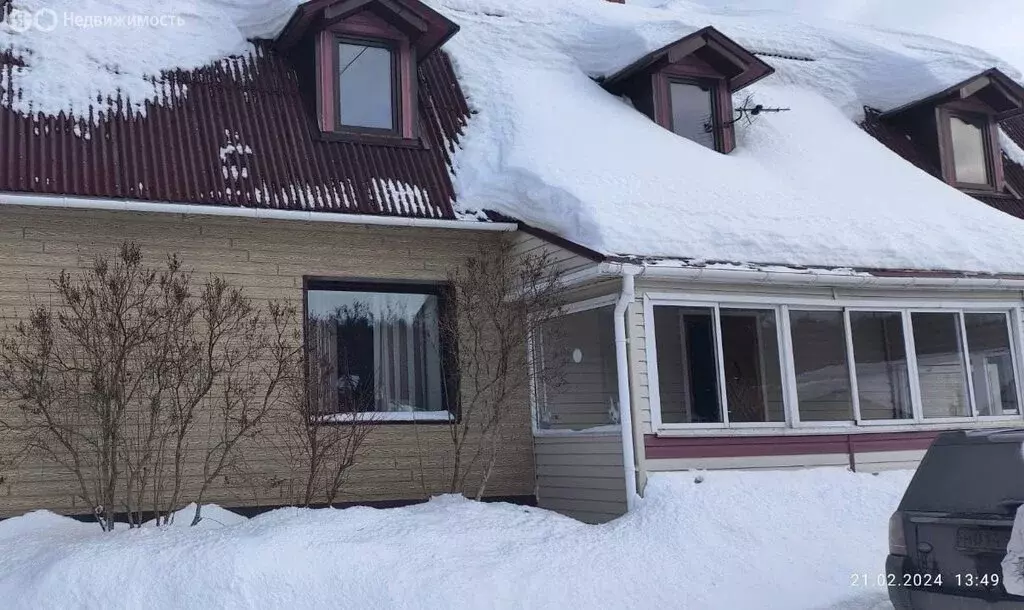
[[949, 535]]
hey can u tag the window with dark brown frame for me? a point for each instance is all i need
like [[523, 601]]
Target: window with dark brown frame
[[967, 150], [367, 86], [379, 349], [693, 111]]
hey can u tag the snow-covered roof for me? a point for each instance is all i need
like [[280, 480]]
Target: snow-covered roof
[[549, 146]]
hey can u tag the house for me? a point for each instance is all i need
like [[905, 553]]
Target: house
[[753, 279]]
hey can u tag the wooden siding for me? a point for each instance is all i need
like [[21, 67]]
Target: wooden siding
[[269, 259], [530, 244], [581, 476]]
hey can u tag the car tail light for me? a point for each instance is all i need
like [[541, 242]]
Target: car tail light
[[897, 538]]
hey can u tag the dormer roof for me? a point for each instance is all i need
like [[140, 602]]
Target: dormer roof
[[426, 28], [992, 87], [738, 65]]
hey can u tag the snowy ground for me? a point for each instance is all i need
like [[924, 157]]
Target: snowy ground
[[734, 540]]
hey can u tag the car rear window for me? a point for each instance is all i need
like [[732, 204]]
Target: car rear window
[[979, 475]]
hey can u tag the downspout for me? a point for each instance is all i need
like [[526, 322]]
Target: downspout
[[622, 368]]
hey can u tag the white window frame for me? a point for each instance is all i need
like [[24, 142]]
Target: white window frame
[[532, 350], [782, 306]]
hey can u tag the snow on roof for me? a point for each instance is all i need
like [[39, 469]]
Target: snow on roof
[[76, 51], [549, 146]]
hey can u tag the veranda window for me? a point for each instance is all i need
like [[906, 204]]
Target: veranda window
[[380, 350], [718, 366], [709, 357], [581, 388]]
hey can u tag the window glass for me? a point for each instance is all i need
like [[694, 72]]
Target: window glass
[[580, 387], [365, 82], [969, 158], [821, 366], [880, 360], [753, 377], [940, 364], [692, 112], [988, 343], [687, 365], [381, 350]]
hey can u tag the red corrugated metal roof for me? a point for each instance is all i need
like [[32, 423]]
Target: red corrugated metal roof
[[238, 133]]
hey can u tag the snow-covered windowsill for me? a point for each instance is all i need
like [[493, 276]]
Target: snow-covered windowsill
[[384, 417]]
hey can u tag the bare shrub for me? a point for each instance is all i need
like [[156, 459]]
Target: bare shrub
[[497, 302], [113, 381]]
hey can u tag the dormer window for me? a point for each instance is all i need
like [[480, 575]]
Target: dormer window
[[954, 132], [366, 86], [693, 111], [358, 60], [971, 150], [687, 86]]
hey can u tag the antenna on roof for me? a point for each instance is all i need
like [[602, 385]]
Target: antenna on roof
[[749, 110]]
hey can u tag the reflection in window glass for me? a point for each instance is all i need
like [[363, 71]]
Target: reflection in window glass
[[687, 365], [365, 86], [753, 378], [988, 342], [969, 159], [821, 367], [381, 351], [692, 112], [581, 389], [940, 364], [880, 360]]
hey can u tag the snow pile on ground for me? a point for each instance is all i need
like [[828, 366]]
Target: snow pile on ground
[[786, 540], [76, 51], [806, 187]]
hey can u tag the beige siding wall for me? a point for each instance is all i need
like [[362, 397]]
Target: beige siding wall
[[525, 243], [867, 461], [760, 462], [581, 476], [268, 259], [877, 461]]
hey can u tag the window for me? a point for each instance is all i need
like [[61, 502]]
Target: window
[[693, 115], [821, 365], [580, 390], [988, 340], [379, 350], [941, 372], [718, 365], [691, 376], [366, 86], [880, 360], [971, 157]]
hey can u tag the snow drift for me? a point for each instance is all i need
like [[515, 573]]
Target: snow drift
[[786, 540]]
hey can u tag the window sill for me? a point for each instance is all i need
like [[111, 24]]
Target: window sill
[[377, 139], [608, 430], [383, 418], [820, 428]]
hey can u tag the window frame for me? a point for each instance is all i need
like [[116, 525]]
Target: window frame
[[534, 350], [397, 114], [450, 383], [993, 163], [713, 94], [782, 307]]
